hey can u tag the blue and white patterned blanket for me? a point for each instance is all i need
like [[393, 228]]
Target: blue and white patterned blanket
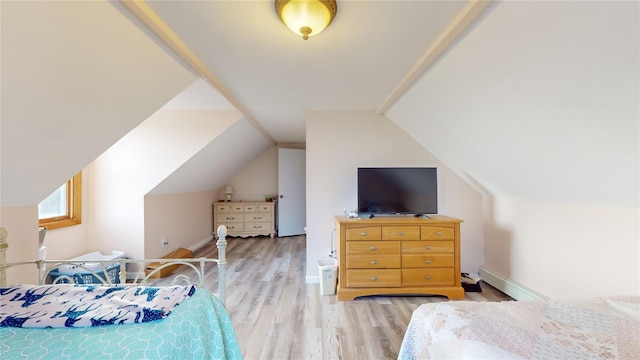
[[68, 305]]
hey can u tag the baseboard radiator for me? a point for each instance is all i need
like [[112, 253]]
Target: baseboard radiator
[[508, 286]]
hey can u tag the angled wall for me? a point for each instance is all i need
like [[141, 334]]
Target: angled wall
[[141, 160], [538, 107]]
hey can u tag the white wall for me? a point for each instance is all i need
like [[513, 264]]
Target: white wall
[[183, 219], [565, 250], [76, 77], [338, 142], [256, 180], [21, 224], [125, 173], [538, 106]]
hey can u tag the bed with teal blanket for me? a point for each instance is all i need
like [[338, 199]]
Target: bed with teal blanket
[[127, 319], [198, 328]]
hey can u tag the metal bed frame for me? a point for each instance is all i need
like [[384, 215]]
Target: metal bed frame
[[46, 266]]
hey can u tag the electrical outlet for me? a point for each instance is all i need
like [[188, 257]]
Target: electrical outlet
[[165, 242]]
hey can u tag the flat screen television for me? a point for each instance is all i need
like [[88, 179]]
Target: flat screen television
[[397, 190]]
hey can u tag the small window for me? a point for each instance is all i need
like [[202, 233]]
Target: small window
[[64, 206]]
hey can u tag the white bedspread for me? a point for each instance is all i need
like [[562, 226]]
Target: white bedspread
[[601, 328]]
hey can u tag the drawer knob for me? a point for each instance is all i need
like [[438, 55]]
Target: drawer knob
[[427, 261], [438, 233], [374, 278], [400, 233], [428, 277], [364, 233], [428, 247], [374, 248], [373, 262]]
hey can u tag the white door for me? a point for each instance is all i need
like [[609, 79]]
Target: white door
[[292, 194]]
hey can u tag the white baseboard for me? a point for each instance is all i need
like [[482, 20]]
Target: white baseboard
[[312, 279], [200, 243], [508, 286]]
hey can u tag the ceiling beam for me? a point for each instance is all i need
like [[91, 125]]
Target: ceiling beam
[[465, 17], [144, 13]]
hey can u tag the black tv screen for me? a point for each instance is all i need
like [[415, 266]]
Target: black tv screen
[[398, 191]]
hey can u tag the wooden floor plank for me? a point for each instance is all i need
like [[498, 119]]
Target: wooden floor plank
[[276, 315]]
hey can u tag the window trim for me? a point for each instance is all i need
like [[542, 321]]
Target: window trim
[[74, 206]]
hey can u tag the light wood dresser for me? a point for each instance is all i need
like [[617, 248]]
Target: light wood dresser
[[245, 218], [398, 255]]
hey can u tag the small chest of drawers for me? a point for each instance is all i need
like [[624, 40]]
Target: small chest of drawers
[[399, 255], [245, 218]]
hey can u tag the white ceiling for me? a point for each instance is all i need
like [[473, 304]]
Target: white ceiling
[[276, 76]]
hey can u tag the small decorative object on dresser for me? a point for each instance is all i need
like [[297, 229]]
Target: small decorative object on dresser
[[245, 218], [228, 191], [398, 255]]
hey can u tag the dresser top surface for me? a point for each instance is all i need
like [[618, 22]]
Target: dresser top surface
[[397, 220], [242, 202]]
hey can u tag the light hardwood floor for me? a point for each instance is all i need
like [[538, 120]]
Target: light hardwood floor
[[277, 316]]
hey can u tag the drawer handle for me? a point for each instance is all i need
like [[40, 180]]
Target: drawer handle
[[374, 248], [230, 218], [364, 233], [438, 233], [400, 233], [427, 261], [428, 247], [374, 278], [373, 262], [428, 277]]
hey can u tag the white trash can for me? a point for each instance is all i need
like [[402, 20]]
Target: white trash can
[[328, 271]]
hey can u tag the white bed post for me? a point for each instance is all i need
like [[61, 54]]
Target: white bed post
[[222, 262], [3, 257]]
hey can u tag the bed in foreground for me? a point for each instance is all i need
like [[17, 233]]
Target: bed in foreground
[[600, 328], [118, 321]]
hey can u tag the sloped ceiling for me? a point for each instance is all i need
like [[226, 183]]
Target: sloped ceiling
[[76, 77], [97, 69], [534, 98], [540, 101], [211, 167], [353, 64]]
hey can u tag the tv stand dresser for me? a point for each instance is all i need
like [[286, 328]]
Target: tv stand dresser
[[398, 255]]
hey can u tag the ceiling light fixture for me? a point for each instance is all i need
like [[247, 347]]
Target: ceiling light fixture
[[306, 17]]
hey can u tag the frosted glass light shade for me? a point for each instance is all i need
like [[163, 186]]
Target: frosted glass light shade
[[306, 17]]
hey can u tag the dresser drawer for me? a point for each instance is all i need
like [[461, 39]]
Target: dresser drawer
[[250, 208], [233, 227], [428, 277], [372, 247], [265, 208], [236, 208], [427, 247], [257, 217], [401, 233], [437, 233], [364, 233], [251, 226], [222, 208], [429, 260], [373, 261], [373, 278], [230, 218]]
